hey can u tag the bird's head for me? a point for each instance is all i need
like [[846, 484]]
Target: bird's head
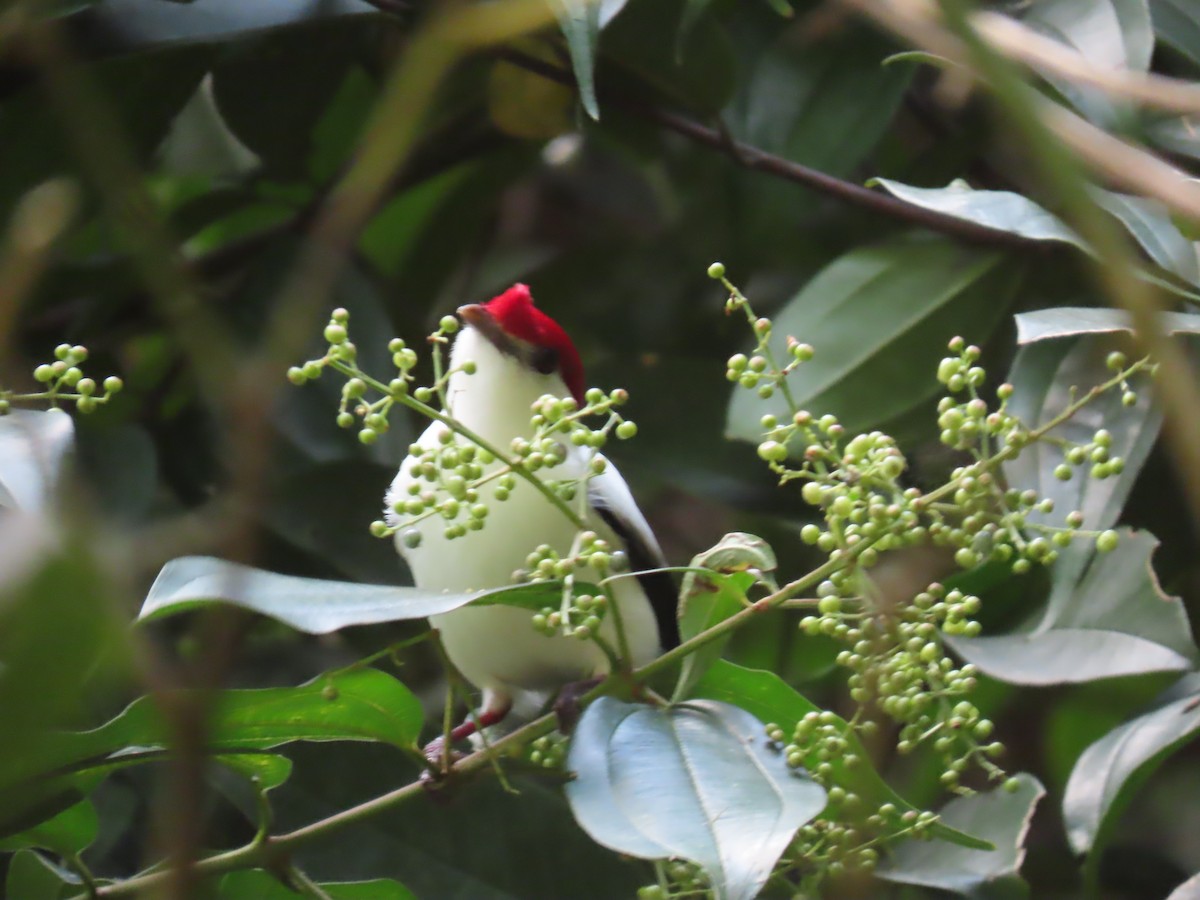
[[522, 332]]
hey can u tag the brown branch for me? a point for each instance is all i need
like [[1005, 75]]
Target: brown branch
[[755, 159]]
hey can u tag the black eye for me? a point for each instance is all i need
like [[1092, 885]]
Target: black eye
[[545, 360]]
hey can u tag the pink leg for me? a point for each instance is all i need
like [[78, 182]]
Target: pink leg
[[494, 710]]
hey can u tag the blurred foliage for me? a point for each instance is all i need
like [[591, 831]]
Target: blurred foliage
[[606, 154]]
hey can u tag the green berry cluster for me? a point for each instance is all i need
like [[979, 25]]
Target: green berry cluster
[[549, 751], [370, 417], [679, 880], [447, 480], [580, 614], [65, 382]]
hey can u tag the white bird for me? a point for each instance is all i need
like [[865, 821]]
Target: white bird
[[520, 354]]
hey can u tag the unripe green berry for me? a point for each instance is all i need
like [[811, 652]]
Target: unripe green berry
[[43, 373], [335, 334], [626, 430], [448, 325], [1107, 541], [716, 272], [368, 436], [86, 404], [296, 375]]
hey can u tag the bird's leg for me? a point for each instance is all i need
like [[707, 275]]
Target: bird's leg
[[494, 710], [566, 704]]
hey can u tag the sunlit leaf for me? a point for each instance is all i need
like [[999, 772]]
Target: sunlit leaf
[[696, 781], [1110, 770], [1001, 817], [879, 318], [772, 700]]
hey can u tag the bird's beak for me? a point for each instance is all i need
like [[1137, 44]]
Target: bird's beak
[[485, 323]]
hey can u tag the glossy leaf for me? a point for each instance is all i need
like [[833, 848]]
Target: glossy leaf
[[1109, 34], [355, 705], [1001, 817], [1070, 321], [313, 605], [255, 884], [33, 877], [1112, 34], [1150, 224], [695, 781], [137, 23], [1046, 377], [68, 832], [1111, 620], [1004, 210], [33, 447], [770, 699], [737, 563], [1177, 24], [1109, 771], [580, 24], [880, 317]]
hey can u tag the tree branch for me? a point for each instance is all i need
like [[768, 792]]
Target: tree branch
[[755, 159]]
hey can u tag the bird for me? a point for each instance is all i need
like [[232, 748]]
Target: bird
[[508, 355]]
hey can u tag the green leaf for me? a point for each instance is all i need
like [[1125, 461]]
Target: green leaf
[[1112, 620], [1150, 224], [701, 74], [353, 705], [737, 563], [259, 885], [770, 699], [33, 447], [879, 318], [33, 877], [1071, 321], [59, 643], [274, 89], [1046, 378], [580, 24], [314, 605], [1110, 770], [1112, 34], [1004, 210], [1001, 817], [66, 833], [1109, 34], [1177, 24], [137, 23], [696, 781]]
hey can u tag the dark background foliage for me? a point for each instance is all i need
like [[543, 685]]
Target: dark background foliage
[[216, 130]]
